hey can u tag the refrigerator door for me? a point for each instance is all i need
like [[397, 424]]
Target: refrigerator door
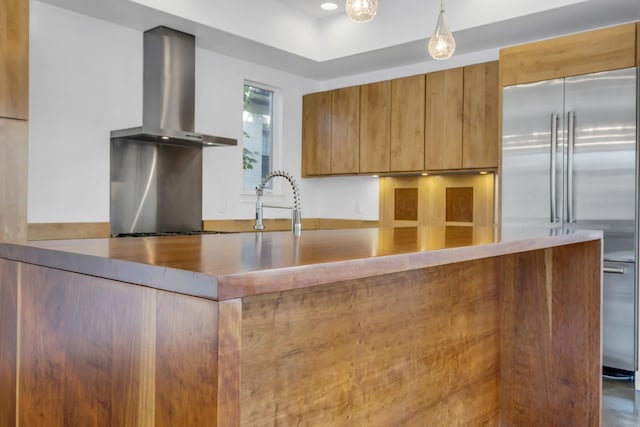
[[618, 316], [601, 151], [533, 142]]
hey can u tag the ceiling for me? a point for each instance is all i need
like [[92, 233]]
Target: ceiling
[[312, 7], [298, 37]]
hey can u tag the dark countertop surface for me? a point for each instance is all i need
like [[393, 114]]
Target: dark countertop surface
[[226, 266]]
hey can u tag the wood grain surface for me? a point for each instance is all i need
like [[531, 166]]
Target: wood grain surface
[[8, 341], [443, 121], [638, 44], [510, 340], [96, 352], [407, 123], [186, 361], [68, 230], [316, 134], [550, 337], [365, 353], [375, 127], [588, 52], [13, 176], [14, 59], [229, 352], [345, 130], [227, 266], [480, 131]]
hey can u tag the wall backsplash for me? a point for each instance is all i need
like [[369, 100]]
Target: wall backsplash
[[437, 200]]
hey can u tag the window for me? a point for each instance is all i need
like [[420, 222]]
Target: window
[[257, 143]]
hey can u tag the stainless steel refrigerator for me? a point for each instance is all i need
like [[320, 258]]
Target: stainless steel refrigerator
[[569, 161]]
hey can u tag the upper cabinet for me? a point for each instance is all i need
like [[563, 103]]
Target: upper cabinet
[[407, 123], [331, 132], [481, 116], [345, 130], [14, 58], [462, 118], [375, 127], [443, 120], [316, 134], [589, 52]]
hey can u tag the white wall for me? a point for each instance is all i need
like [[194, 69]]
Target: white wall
[[84, 80]]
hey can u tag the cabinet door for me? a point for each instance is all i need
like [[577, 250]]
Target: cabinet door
[[345, 130], [407, 123], [14, 58], [480, 130], [375, 130], [13, 176], [589, 52], [443, 120], [316, 134]]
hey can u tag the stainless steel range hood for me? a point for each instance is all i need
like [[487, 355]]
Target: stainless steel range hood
[[169, 92]]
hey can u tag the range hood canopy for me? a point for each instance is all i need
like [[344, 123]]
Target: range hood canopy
[[169, 92]]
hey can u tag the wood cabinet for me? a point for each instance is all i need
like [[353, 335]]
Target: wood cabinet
[[14, 58], [316, 134], [407, 123], [13, 176], [461, 117], [375, 127], [446, 120], [589, 52], [638, 44], [14, 79], [481, 116], [345, 130], [443, 120], [331, 132]]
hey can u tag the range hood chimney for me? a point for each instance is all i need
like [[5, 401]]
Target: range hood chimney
[[169, 92]]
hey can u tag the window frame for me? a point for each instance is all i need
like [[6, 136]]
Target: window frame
[[275, 193]]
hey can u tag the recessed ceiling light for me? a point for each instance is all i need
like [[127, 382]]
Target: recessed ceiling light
[[329, 6]]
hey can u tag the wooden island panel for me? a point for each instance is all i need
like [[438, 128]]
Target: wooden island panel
[[96, 352], [550, 341], [8, 341], [364, 353], [511, 339]]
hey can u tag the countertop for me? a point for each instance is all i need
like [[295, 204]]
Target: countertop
[[226, 266]]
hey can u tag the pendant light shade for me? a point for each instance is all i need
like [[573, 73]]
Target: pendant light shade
[[361, 10], [442, 44]]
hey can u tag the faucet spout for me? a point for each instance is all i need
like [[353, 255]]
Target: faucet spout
[[296, 212]]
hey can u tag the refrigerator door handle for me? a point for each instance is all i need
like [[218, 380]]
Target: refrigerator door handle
[[552, 168], [571, 130], [613, 270]]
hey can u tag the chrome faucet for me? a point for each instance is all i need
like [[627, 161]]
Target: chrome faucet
[[296, 214]]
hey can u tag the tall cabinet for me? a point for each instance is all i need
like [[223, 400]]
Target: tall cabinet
[[407, 123], [480, 125], [14, 75], [375, 127], [444, 112]]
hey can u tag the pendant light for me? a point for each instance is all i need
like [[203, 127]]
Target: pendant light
[[361, 10], [442, 44]]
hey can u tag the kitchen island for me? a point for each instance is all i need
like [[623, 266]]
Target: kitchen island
[[366, 327]]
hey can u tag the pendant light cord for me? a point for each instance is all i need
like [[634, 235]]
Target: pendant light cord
[[441, 6]]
